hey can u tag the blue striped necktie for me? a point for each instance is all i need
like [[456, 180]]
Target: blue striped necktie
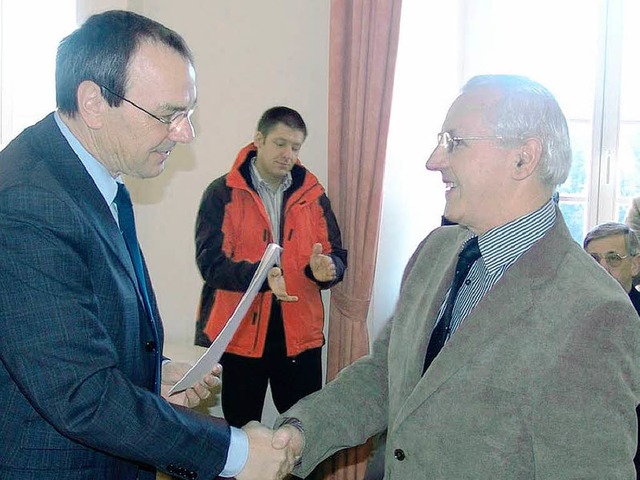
[[469, 254], [128, 229]]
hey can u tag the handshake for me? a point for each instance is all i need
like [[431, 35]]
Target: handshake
[[272, 454]]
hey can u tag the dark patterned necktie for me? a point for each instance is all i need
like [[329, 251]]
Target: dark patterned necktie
[[469, 254], [128, 229]]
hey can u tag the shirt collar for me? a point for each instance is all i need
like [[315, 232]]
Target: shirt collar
[[503, 245], [96, 170], [285, 183]]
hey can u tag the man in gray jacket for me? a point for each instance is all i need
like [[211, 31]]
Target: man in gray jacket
[[528, 364]]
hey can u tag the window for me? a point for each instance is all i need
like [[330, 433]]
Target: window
[[583, 51], [29, 35], [605, 174]]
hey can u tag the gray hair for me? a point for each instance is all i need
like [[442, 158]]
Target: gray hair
[[610, 229], [527, 109]]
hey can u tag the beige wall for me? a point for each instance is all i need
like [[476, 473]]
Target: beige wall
[[250, 55]]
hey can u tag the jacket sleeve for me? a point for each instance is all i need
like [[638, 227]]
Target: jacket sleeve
[[62, 310], [218, 270], [329, 415], [337, 253]]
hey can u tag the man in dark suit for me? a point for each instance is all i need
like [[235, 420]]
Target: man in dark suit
[[510, 354], [81, 341]]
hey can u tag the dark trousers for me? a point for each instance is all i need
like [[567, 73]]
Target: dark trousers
[[245, 380]]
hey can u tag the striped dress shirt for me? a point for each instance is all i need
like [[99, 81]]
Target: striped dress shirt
[[500, 247], [271, 198]]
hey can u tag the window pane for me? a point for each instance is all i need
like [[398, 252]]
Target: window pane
[[628, 152], [629, 160], [574, 216], [630, 104], [576, 184]]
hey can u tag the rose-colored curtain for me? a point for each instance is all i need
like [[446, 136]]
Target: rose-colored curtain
[[362, 55]]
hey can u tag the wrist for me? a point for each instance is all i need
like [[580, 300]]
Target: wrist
[[297, 424]]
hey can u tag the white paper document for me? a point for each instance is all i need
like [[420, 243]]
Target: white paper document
[[212, 356]]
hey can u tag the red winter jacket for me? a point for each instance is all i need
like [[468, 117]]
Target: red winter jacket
[[232, 232]]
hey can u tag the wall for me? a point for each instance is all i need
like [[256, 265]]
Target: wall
[[250, 55]]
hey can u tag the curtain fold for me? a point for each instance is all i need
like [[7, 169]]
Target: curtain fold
[[362, 55]]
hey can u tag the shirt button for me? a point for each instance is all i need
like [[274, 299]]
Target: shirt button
[[150, 346], [399, 454]]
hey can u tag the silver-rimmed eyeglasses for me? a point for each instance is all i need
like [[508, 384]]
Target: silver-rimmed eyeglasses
[[613, 259], [449, 142], [171, 121]]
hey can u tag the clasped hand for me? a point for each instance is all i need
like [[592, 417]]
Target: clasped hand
[[272, 455]]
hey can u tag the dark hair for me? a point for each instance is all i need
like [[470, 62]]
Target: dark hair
[[100, 51], [276, 115]]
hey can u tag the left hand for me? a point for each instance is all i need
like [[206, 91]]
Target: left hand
[[322, 266], [191, 397]]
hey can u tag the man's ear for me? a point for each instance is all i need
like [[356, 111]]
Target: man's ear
[[527, 158], [258, 139], [92, 106]]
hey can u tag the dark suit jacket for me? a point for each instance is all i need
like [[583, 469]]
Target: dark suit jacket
[[77, 363], [540, 381]]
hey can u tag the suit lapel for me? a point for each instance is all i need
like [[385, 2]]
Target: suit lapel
[[420, 298], [506, 306], [74, 178]]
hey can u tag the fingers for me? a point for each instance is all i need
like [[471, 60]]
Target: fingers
[[275, 272], [322, 266], [278, 286], [191, 398], [201, 390], [211, 381], [281, 438], [265, 461], [287, 298], [287, 436]]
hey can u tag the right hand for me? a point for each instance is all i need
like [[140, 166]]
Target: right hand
[[275, 279], [289, 437], [265, 462]]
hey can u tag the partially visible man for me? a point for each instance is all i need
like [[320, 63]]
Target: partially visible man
[[81, 342], [268, 196], [539, 375], [616, 248]]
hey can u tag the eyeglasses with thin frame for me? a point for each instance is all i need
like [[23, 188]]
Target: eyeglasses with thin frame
[[171, 122], [449, 142], [613, 259]]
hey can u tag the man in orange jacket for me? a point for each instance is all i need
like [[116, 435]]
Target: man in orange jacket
[[268, 196]]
